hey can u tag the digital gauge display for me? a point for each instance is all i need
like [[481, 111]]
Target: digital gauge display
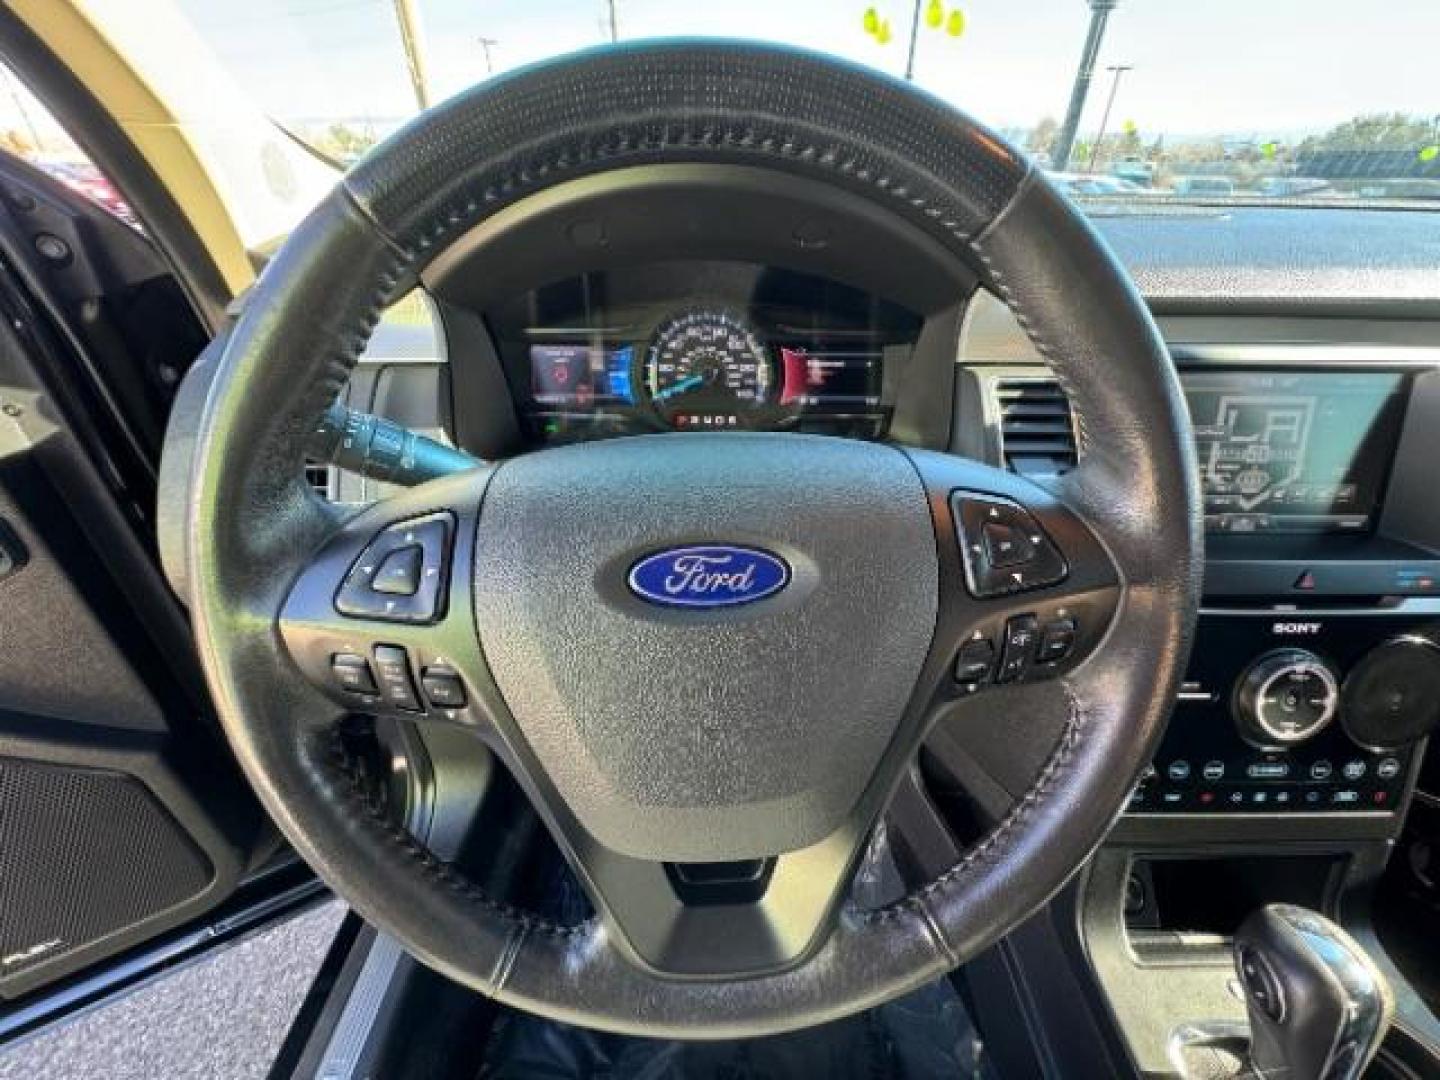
[[707, 369]]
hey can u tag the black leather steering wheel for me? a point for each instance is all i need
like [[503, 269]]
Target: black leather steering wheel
[[653, 739]]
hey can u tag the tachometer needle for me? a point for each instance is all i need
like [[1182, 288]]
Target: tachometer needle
[[690, 382]]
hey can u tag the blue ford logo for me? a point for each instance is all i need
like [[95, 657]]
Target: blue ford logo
[[707, 577]]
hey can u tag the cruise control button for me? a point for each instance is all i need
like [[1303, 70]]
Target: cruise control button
[[352, 673], [399, 572], [443, 687], [1021, 634], [396, 687], [1057, 640]]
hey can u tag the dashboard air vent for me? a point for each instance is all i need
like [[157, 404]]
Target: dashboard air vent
[[1037, 433]]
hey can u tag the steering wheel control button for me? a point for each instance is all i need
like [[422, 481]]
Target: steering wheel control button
[[401, 575], [1004, 548], [1057, 641], [352, 674], [443, 688], [399, 572], [1021, 634], [975, 662], [396, 687], [1005, 545]]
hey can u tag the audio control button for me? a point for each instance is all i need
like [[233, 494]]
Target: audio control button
[[1286, 697]]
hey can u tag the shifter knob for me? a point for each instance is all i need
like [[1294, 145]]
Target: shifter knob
[[1318, 1005]]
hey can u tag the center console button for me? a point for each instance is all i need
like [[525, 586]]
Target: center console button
[[1268, 770], [1321, 770], [1214, 770], [1178, 771], [1388, 768], [1353, 770]]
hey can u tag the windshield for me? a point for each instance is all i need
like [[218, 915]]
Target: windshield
[[1315, 101]]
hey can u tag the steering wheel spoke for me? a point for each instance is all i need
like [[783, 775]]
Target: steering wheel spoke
[[380, 619], [1027, 591]]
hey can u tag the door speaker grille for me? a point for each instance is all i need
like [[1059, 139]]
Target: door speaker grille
[[84, 853]]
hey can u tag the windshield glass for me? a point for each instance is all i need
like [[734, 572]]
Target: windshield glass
[[1316, 101]]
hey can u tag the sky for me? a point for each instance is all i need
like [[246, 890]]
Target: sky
[[1256, 69], [1250, 67]]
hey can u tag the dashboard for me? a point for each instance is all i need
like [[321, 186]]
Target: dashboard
[[1316, 424], [1309, 358], [700, 346]]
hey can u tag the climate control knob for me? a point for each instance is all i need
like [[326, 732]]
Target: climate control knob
[[1284, 698], [1392, 696]]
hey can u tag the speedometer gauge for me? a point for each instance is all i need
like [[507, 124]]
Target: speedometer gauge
[[707, 369]]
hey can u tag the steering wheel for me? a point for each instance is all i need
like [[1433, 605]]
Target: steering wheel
[[711, 770]]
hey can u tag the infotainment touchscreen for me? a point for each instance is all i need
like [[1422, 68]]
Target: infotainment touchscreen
[[1302, 452]]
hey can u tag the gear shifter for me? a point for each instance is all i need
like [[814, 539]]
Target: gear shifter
[[1318, 1005]]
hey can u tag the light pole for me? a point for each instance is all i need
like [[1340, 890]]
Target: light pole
[[488, 43], [914, 33], [1065, 137], [1117, 70], [614, 26]]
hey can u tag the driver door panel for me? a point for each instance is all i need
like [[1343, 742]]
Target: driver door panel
[[122, 814]]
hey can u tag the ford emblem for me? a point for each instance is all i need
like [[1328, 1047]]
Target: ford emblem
[[708, 577]]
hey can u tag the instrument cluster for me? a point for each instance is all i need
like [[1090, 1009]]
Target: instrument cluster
[[702, 347]]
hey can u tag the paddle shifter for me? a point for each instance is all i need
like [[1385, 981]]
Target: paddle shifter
[[1318, 1005]]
